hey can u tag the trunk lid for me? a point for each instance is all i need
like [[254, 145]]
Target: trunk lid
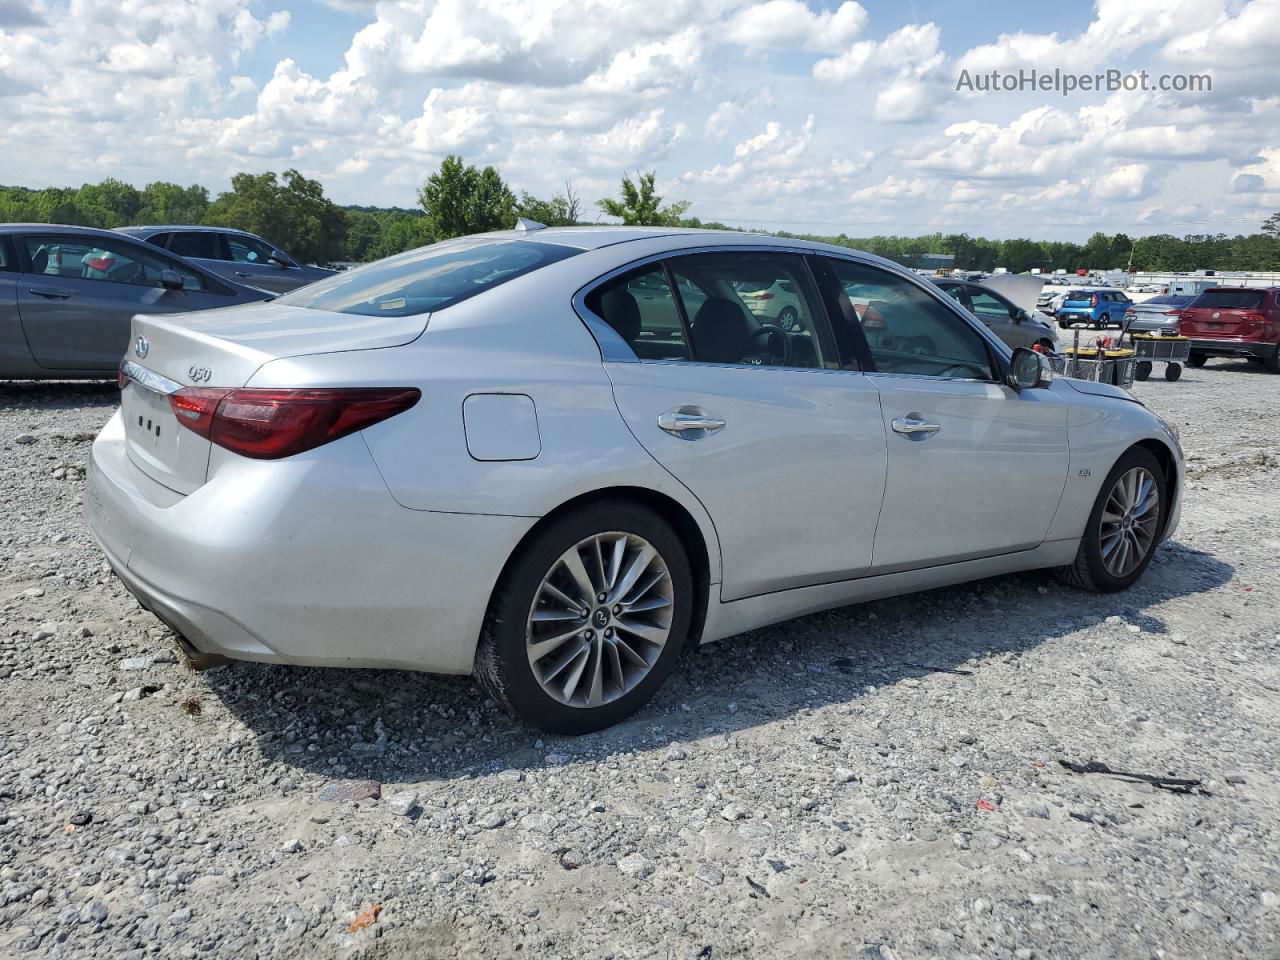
[[224, 348], [1225, 314]]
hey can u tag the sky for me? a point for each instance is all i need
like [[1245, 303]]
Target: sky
[[815, 116]]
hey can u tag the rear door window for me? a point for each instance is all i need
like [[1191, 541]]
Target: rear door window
[[203, 245], [642, 309], [8, 258]]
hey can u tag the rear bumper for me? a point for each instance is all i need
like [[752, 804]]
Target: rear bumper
[[305, 561], [1262, 350]]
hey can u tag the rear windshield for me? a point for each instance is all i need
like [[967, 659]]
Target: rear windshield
[[1080, 295], [1171, 300], [1232, 299], [427, 279]]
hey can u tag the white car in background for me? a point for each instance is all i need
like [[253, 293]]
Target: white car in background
[[777, 303], [485, 457]]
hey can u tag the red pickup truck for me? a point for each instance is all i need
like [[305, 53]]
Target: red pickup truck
[[1234, 322]]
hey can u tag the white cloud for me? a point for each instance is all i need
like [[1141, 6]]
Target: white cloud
[[790, 24]]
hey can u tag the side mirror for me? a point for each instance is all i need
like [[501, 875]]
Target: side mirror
[[1019, 315], [278, 259], [1028, 370], [171, 279]]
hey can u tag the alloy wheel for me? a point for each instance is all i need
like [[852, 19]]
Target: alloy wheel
[[600, 619], [1130, 521]]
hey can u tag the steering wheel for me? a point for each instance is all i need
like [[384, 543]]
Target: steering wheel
[[774, 339]]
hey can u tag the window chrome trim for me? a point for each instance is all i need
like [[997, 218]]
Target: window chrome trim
[[149, 379]]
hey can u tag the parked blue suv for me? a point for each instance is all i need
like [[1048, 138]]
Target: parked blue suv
[[1097, 308]]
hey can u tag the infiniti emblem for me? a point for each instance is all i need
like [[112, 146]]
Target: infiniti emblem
[[141, 347], [601, 618]]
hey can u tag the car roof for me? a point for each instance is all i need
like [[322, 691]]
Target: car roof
[[678, 238], [70, 229], [184, 227]]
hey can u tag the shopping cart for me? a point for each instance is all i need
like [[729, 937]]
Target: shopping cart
[[1151, 349], [1116, 367]]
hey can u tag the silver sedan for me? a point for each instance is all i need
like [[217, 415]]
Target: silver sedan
[[553, 458]]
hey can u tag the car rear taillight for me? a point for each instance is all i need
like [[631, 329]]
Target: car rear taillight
[[1093, 301], [122, 378], [99, 263], [269, 423], [1131, 312], [1173, 313]]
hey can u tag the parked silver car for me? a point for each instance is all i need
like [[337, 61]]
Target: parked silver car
[[485, 457], [233, 254], [1158, 315], [68, 294]]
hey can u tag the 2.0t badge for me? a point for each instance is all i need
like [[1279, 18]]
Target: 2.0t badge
[[199, 374]]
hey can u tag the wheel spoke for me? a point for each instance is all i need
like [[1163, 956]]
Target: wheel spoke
[[559, 595], [624, 648], [595, 693], [637, 567], [559, 668], [571, 684], [548, 615], [541, 647], [645, 631], [573, 563], [647, 605], [615, 562]]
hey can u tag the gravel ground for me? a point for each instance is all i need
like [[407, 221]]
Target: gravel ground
[[879, 781]]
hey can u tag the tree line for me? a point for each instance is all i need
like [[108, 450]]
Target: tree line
[[456, 199]]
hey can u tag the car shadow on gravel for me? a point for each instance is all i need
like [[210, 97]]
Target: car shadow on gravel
[[401, 727], [40, 397]]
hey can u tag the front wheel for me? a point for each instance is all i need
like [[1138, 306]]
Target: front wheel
[[1124, 526], [588, 619]]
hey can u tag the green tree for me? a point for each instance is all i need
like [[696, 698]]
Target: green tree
[[170, 203], [1271, 225], [640, 205], [562, 210], [294, 215], [461, 199]]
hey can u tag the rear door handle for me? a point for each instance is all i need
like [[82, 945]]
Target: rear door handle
[[241, 273], [911, 426], [688, 426], [50, 294]]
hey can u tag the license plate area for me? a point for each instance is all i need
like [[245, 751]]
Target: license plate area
[[158, 445]]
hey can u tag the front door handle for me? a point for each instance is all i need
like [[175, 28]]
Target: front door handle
[[911, 426], [688, 426], [50, 294], [241, 273]]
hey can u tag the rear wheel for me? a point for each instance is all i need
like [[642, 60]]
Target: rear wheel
[[1273, 363], [1064, 325], [1124, 526], [1197, 360], [788, 319], [1102, 322], [588, 620]]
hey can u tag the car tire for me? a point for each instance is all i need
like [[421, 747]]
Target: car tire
[[1064, 325], [1102, 322], [788, 318], [1197, 360], [622, 663], [1273, 362], [1100, 572], [1142, 370]]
